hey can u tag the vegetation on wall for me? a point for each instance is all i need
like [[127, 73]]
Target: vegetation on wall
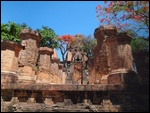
[[10, 31]]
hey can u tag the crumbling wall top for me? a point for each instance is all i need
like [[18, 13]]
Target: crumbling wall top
[[107, 30], [10, 44], [55, 60], [46, 50], [124, 37], [30, 32]]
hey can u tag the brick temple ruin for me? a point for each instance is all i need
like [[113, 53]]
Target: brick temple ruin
[[113, 84]]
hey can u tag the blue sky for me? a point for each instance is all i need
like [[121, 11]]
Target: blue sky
[[64, 17]]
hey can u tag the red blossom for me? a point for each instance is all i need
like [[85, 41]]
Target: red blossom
[[100, 7], [66, 38], [108, 10], [101, 12], [110, 4], [102, 20]]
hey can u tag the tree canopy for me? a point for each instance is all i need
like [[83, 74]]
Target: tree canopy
[[10, 31], [64, 40], [86, 43], [131, 17], [49, 37]]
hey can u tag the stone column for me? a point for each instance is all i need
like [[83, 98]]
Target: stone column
[[55, 69], [100, 65], [9, 56], [64, 77], [28, 56], [120, 59], [61, 73], [44, 65], [9, 61]]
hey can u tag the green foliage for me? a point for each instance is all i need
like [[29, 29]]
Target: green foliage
[[139, 44], [86, 43], [10, 31], [49, 38]]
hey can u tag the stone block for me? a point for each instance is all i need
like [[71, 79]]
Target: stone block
[[95, 87], [104, 79], [68, 102], [48, 101], [31, 100], [87, 101], [115, 79], [6, 107], [106, 102], [8, 77], [1, 99], [115, 108], [14, 100], [80, 87], [88, 87], [122, 76]]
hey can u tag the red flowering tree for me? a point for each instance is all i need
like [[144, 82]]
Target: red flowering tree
[[65, 40], [125, 14], [128, 16]]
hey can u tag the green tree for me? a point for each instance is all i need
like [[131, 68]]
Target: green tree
[[139, 44], [64, 45], [128, 16], [85, 43], [49, 37], [10, 31]]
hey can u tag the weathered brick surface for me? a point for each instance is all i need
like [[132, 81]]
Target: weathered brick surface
[[26, 74], [113, 84], [8, 77], [47, 73], [9, 55], [120, 54]]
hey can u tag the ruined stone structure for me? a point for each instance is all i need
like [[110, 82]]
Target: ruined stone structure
[[76, 62], [112, 62], [114, 86]]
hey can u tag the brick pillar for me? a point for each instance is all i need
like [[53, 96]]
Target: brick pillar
[[44, 65], [120, 60], [55, 62], [55, 70], [99, 67], [61, 73], [28, 56], [9, 56], [64, 77]]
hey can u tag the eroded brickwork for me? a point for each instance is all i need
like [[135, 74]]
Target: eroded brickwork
[[9, 56], [34, 80]]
